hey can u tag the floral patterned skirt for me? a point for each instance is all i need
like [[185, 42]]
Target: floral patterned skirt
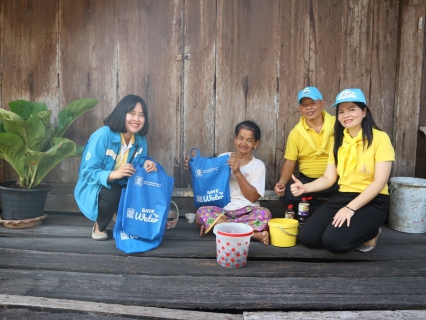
[[256, 217]]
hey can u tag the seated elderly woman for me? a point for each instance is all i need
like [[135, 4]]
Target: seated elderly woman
[[247, 185]]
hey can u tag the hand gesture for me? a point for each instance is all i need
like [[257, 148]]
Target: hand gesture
[[279, 189], [297, 188], [341, 216], [149, 166], [233, 163]]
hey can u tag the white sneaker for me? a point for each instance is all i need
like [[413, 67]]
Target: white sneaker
[[99, 236]]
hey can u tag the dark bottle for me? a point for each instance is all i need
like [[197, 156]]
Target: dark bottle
[[303, 211], [289, 213]]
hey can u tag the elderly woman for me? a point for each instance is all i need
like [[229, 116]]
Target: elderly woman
[[247, 185]]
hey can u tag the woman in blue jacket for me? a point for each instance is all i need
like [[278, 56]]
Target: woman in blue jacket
[[108, 160]]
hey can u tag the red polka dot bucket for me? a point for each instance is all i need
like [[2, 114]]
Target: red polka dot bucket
[[232, 243]]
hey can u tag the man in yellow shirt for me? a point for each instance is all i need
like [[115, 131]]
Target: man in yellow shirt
[[308, 144]]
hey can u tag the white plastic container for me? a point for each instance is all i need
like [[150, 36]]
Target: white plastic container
[[232, 243], [407, 212]]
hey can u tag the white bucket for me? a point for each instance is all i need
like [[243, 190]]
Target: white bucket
[[232, 243], [407, 212]]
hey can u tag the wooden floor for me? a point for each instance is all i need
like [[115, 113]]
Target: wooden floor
[[59, 260]]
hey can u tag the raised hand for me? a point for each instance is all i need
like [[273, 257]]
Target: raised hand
[[297, 188]]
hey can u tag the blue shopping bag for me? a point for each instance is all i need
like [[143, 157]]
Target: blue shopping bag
[[129, 243], [210, 180], [147, 203]]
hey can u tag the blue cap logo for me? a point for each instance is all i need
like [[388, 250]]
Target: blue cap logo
[[350, 95], [309, 92]]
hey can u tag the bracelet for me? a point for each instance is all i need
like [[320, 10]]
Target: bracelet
[[350, 208], [285, 183]]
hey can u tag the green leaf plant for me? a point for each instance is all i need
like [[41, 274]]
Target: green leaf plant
[[31, 144]]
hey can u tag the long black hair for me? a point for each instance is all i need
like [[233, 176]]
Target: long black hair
[[117, 118], [367, 126]]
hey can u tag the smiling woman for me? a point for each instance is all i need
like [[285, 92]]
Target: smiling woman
[[362, 159], [247, 185], [108, 161]]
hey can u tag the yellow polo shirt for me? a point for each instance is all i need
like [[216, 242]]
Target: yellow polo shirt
[[380, 150], [298, 149]]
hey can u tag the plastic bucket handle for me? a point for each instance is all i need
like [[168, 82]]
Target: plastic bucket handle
[[291, 234]]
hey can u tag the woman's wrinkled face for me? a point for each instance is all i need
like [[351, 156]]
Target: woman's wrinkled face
[[350, 116], [135, 119], [245, 141]]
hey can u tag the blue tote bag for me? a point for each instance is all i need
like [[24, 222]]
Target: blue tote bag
[[210, 180], [147, 203], [128, 243]]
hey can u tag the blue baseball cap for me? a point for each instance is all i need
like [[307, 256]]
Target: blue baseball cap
[[350, 95], [309, 92]]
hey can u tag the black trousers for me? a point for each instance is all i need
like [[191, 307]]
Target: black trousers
[[108, 200], [319, 232], [288, 197]]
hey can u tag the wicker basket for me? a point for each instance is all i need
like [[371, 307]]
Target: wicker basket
[[173, 216]]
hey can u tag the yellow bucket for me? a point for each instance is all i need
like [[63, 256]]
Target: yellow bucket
[[283, 232]]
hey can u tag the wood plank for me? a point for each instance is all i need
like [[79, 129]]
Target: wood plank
[[26, 259], [29, 55], [88, 69], [357, 24], [383, 61], [165, 82], [294, 70], [106, 309], [247, 74], [199, 81], [408, 87], [220, 293], [324, 51], [323, 315]]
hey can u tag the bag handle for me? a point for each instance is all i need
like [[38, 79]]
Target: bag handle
[[197, 153], [290, 234], [177, 209]]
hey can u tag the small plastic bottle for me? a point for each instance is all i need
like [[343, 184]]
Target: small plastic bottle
[[303, 211], [289, 213]]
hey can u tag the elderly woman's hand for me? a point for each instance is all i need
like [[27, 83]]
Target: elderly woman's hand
[[149, 166]]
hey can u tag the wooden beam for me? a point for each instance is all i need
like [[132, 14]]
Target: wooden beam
[[408, 87]]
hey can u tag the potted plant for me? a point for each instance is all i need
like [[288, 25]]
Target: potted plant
[[33, 146]]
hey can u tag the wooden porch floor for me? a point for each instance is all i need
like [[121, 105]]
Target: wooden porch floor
[[59, 260]]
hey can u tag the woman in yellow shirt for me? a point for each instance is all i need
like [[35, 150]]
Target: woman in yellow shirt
[[362, 160]]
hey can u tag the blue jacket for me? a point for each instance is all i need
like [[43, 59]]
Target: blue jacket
[[97, 162]]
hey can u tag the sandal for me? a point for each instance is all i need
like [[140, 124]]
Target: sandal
[[99, 236], [365, 248]]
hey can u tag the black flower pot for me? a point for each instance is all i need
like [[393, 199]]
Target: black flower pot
[[21, 204]]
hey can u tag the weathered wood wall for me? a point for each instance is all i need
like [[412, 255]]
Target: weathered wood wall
[[204, 65]]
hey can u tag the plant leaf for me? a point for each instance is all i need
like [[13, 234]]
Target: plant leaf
[[25, 108], [75, 109], [41, 163], [12, 150], [31, 131]]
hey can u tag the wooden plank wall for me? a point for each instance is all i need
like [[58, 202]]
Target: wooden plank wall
[[205, 65]]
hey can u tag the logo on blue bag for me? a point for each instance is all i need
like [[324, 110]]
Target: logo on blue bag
[[198, 173], [124, 236], [139, 181], [212, 195], [130, 213]]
